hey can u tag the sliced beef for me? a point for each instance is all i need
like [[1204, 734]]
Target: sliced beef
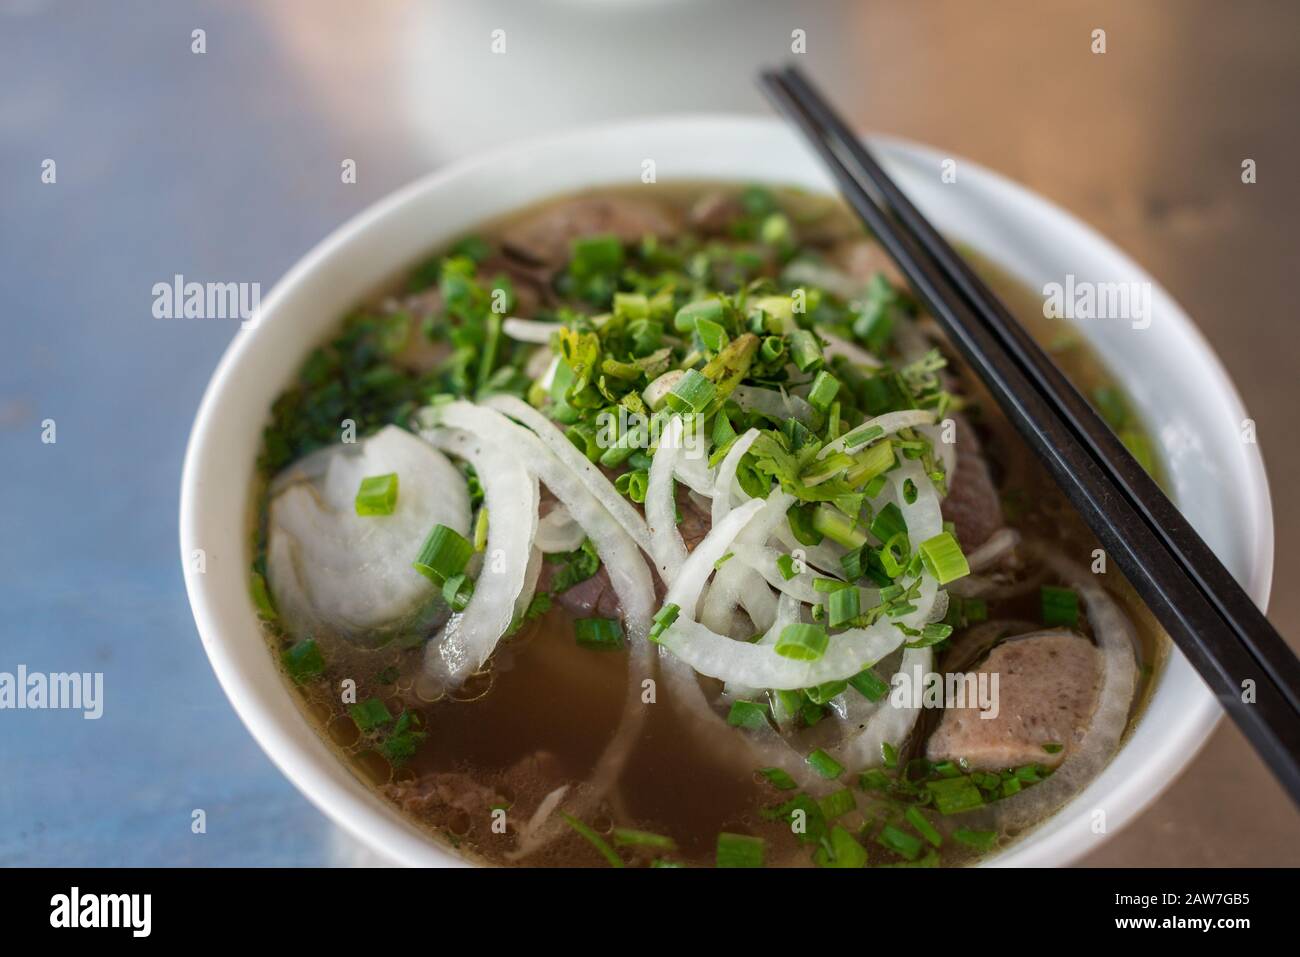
[[973, 504], [1047, 689], [545, 238]]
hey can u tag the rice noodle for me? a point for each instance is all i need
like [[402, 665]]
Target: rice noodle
[[558, 532], [590, 476], [666, 545], [773, 404], [511, 497], [530, 330], [726, 475]]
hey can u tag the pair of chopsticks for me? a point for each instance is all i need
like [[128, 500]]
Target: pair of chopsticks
[[1244, 661]]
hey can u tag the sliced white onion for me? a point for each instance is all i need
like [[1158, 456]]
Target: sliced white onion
[[773, 403], [827, 277], [511, 496], [998, 544], [890, 723], [757, 666], [726, 476], [590, 476], [558, 532], [763, 560], [692, 470], [532, 573], [666, 545], [331, 571], [889, 423], [530, 330], [835, 346], [628, 574]]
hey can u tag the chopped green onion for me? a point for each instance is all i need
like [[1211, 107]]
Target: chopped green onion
[[801, 642], [261, 597], [870, 464], [595, 255], [303, 660], [823, 391], [888, 522], [894, 554], [747, 714], [974, 610], [843, 606], [844, 851], [1053, 748], [1060, 606], [838, 527], [923, 826], [980, 840], [868, 684], [740, 850], [888, 754], [954, 795], [779, 779], [377, 495], [692, 393], [663, 620], [629, 837], [457, 591], [805, 351], [711, 310], [803, 525], [594, 839], [900, 842], [711, 334], [598, 634], [445, 553], [942, 556], [785, 565], [481, 529], [837, 804], [370, 714], [860, 436], [822, 693], [824, 764]]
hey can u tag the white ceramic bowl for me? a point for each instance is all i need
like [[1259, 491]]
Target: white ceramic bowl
[[1180, 387]]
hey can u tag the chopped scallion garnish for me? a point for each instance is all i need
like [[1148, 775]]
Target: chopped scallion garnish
[[598, 634], [801, 642], [740, 850], [1060, 606], [445, 554], [377, 495]]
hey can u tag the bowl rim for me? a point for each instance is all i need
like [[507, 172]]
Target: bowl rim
[[371, 820]]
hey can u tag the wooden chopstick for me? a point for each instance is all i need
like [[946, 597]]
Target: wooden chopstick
[[1213, 622]]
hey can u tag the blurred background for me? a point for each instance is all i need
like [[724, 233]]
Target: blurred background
[[225, 167]]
